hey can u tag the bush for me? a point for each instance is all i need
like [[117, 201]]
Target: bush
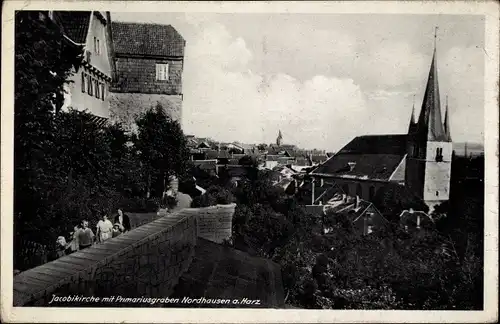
[[215, 195]]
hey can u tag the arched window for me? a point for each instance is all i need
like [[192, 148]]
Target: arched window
[[359, 190], [345, 188], [372, 193]]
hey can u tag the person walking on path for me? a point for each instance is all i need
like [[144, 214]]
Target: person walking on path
[[74, 245], [61, 246], [123, 220], [85, 236], [104, 229]]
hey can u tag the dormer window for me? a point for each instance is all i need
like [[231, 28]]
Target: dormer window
[[439, 154], [162, 72]]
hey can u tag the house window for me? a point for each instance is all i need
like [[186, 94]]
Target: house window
[[89, 85], [84, 82], [97, 88], [103, 88], [161, 72], [439, 154]]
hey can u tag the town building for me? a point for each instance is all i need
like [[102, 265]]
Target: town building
[[414, 220], [419, 160], [363, 215], [147, 66], [88, 87]]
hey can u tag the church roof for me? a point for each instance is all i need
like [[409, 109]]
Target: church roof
[[371, 157], [430, 122]]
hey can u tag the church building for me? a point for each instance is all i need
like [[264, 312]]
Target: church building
[[419, 160]]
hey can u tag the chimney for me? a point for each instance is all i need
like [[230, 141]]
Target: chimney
[[411, 211]]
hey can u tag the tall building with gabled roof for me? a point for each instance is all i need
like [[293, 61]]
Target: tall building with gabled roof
[[419, 160], [147, 66], [88, 88]]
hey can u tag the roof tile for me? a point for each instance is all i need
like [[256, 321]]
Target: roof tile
[[373, 157], [147, 39], [75, 24]]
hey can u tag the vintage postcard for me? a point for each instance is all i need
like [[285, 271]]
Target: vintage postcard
[[281, 161]]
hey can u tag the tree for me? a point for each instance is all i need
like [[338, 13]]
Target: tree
[[43, 64], [249, 160], [67, 167], [262, 147], [215, 195], [162, 149], [392, 199]]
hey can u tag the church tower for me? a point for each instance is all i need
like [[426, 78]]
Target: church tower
[[428, 166], [279, 139]]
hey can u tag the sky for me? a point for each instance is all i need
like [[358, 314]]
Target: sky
[[323, 79]]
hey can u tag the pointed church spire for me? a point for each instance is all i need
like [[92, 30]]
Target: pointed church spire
[[413, 125], [447, 122], [430, 122]]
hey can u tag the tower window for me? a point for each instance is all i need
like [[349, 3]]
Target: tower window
[[439, 154], [437, 193]]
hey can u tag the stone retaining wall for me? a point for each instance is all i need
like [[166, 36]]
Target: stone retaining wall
[[215, 222], [147, 261]]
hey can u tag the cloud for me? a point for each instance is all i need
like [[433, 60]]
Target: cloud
[[227, 101], [230, 96], [278, 69], [391, 65], [462, 72]]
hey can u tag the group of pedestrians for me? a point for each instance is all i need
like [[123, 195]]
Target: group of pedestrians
[[83, 237]]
